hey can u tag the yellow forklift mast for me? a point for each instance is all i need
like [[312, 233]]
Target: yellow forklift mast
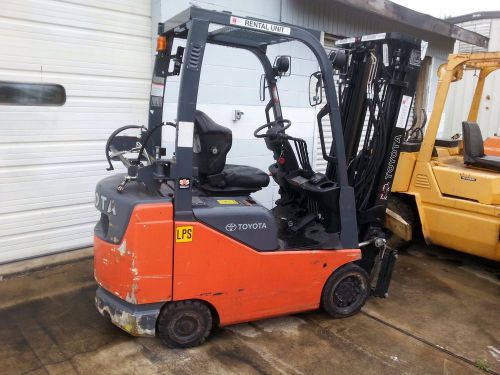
[[450, 188]]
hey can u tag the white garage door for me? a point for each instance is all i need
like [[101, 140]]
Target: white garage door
[[51, 158]]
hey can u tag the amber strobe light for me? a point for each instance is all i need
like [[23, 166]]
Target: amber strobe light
[[161, 43]]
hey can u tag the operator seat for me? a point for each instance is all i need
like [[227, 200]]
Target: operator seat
[[474, 148], [211, 144]]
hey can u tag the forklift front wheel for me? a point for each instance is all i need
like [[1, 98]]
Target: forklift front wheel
[[345, 291], [184, 324]]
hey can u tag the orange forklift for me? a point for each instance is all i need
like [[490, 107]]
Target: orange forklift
[[181, 245]]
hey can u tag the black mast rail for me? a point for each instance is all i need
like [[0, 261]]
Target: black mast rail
[[376, 95]]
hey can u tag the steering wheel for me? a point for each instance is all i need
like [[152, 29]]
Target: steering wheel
[[287, 124], [118, 146]]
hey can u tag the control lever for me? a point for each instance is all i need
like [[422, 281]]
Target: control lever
[[295, 227], [317, 178], [121, 187], [131, 176]]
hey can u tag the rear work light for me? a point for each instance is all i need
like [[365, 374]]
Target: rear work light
[[161, 43]]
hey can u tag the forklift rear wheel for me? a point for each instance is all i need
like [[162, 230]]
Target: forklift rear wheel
[[184, 324], [346, 291]]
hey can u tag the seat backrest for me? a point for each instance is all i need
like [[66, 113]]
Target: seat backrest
[[473, 140], [211, 144]]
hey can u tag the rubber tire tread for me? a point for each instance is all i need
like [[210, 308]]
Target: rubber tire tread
[[331, 283], [170, 309]]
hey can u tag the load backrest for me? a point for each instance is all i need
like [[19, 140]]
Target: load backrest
[[211, 144]]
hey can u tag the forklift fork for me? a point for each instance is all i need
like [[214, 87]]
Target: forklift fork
[[382, 271]]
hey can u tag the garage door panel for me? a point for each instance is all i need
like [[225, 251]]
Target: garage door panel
[[52, 192], [36, 203], [32, 32], [47, 186], [88, 85], [98, 65], [31, 173], [35, 243], [142, 8], [86, 107], [80, 116], [65, 60], [77, 15], [76, 121], [51, 158], [70, 134], [46, 219], [18, 154]]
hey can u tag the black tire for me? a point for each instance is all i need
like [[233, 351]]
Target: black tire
[[345, 291], [184, 324], [404, 209]]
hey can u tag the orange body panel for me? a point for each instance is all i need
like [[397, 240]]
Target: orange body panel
[[243, 284], [240, 283], [492, 146], [139, 269]]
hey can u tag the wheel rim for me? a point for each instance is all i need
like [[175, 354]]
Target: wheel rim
[[349, 292], [185, 327]]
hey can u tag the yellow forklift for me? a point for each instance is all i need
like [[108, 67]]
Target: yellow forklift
[[450, 189]]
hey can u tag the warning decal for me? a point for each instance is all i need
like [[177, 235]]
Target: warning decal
[[184, 233], [227, 201], [157, 89], [404, 111]]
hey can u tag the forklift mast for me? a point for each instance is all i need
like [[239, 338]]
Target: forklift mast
[[376, 90]]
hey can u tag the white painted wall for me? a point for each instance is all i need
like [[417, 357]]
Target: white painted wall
[[51, 158]]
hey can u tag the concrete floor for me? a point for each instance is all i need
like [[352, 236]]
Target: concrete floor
[[440, 318]]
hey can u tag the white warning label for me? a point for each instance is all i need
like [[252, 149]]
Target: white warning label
[[157, 89], [366, 38], [404, 111], [185, 134], [345, 41]]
